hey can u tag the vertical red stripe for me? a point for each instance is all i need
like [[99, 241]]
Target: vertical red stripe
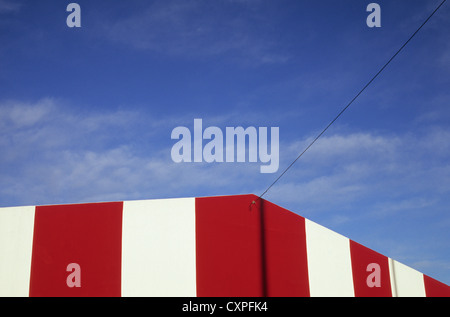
[[228, 247], [241, 253], [87, 234], [286, 260], [361, 258], [434, 288]]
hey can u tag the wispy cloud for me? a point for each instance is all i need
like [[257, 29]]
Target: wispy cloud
[[346, 169], [9, 6], [198, 29], [16, 114], [127, 154], [52, 153], [43, 144]]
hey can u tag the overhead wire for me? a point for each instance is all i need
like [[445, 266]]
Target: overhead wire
[[351, 102]]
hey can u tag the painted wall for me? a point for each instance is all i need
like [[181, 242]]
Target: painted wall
[[211, 246]]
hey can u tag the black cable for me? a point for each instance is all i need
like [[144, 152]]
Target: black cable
[[354, 98]]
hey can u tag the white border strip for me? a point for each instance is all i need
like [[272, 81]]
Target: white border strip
[[16, 245]]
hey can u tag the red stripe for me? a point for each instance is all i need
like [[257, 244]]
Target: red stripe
[[286, 260], [228, 247], [240, 253], [434, 288], [361, 258], [87, 234]]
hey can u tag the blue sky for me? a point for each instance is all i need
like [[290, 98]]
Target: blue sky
[[86, 113]]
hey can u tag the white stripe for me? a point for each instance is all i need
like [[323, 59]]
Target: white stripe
[[158, 248], [16, 244], [329, 262], [392, 277], [405, 281]]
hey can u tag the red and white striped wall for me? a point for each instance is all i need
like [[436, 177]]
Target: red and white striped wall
[[211, 246]]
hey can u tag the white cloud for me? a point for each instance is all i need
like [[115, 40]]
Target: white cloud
[[20, 114], [53, 154], [377, 172], [198, 29], [9, 6]]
